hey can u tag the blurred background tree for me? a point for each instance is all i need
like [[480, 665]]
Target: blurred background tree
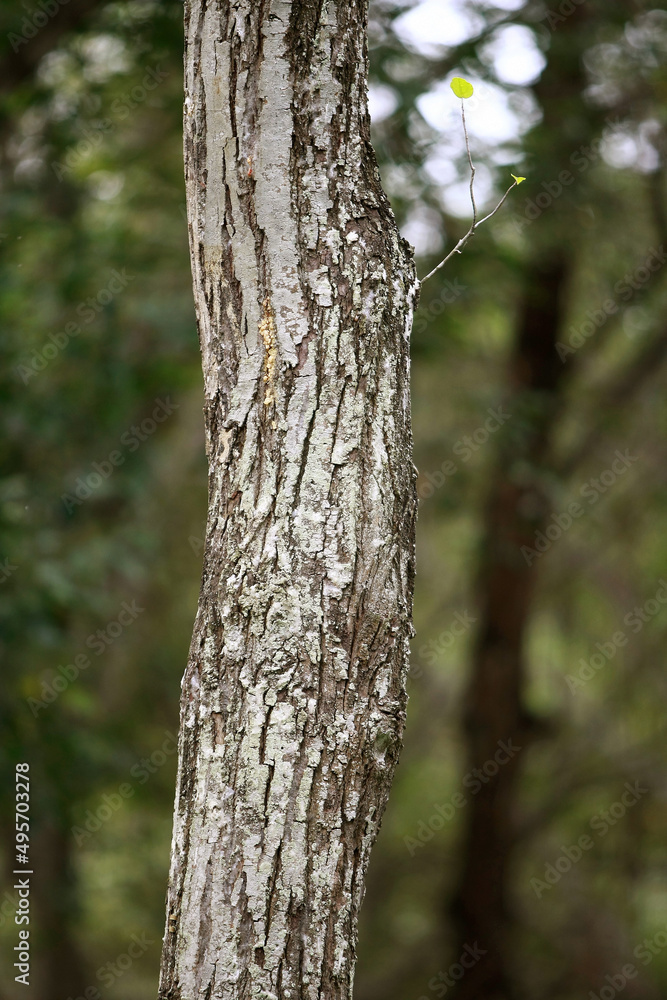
[[554, 315]]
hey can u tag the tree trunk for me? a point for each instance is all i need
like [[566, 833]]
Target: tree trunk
[[293, 700], [60, 967], [518, 506], [498, 726]]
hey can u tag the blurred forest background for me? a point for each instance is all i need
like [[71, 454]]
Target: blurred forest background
[[540, 420]]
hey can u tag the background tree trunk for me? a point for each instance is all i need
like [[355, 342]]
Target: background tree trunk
[[62, 965], [496, 715], [518, 506], [293, 700]]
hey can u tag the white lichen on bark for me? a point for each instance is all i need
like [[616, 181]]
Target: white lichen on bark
[[293, 701]]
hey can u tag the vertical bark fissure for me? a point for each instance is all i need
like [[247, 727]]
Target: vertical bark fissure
[[293, 701]]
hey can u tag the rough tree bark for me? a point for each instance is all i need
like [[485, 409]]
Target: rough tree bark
[[293, 700]]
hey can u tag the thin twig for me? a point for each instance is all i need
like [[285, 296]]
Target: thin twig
[[472, 167], [499, 205], [457, 249], [474, 224], [471, 232]]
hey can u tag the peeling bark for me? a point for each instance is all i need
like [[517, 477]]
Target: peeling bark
[[293, 700]]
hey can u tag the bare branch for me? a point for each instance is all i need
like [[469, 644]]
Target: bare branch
[[474, 224], [472, 167], [471, 232]]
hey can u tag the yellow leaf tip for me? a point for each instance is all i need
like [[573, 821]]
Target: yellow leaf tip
[[461, 88]]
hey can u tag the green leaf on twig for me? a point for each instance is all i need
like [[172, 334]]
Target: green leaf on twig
[[461, 87], [517, 179]]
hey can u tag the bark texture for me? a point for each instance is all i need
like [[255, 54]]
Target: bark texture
[[293, 700]]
